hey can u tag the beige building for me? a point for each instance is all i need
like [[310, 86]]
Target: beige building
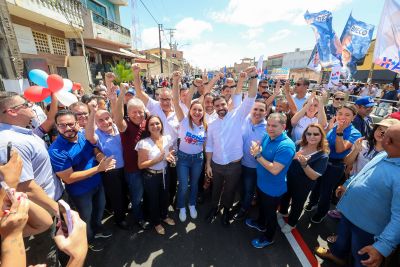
[[172, 61]]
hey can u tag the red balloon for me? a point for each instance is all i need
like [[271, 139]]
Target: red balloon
[[55, 82], [76, 86], [36, 93]]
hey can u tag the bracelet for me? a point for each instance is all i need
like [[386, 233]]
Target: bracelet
[[194, 84], [253, 77], [258, 156], [339, 134]]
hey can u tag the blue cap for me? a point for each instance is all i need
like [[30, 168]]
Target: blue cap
[[365, 101], [131, 91]]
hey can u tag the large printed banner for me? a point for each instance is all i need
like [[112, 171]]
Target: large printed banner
[[313, 62], [355, 39], [387, 46], [328, 43], [280, 73]]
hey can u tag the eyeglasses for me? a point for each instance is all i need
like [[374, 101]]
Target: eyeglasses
[[314, 134], [265, 96], [65, 125], [339, 99], [263, 87], [26, 104]]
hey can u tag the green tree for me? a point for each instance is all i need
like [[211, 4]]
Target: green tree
[[122, 71]]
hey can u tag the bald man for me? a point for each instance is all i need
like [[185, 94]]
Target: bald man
[[107, 138], [370, 205]]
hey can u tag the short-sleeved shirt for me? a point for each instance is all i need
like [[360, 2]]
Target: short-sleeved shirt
[[77, 155], [111, 145], [36, 161], [129, 139], [191, 140], [301, 125], [281, 150], [363, 157], [300, 101], [154, 151], [350, 134], [330, 111], [171, 123]]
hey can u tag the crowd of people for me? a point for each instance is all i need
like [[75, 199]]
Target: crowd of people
[[273, 145]]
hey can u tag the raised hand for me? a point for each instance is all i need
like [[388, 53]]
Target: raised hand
[[93, 107], [242, 76], [135, 69], [112, 92], [198, 82], [251, 71], [176, 77], [109, 78], [106, 164], [357, 146], [11, 171]]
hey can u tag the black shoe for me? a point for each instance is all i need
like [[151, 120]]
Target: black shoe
[[96, 245], [124, 225], [103, 233], [240, 215], [225, 217], [310, 207], [211, 215], [144, 225], [317, 218]]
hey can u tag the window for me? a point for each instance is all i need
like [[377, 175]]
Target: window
[[97, 8], [41, 42], [58, 46]]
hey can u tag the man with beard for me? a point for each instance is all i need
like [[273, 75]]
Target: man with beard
[[224, 149], [74, 161]]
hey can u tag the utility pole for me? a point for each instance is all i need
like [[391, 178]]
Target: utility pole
[[171, 35], [159, 40]]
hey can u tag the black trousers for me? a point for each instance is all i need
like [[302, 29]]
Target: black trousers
[[115, 188], [267, 213], [298, 189], [156, 192], [225, 180], [173, 183]]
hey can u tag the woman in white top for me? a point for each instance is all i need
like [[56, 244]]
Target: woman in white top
[[154, 152], [192, 135], [312, 112]]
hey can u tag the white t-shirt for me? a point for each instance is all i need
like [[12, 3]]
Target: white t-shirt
[[192, 140], [301, 125], [363, 157], [154, 151]]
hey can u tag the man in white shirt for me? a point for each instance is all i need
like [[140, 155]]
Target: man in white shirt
[[224, 148], [301, 92]]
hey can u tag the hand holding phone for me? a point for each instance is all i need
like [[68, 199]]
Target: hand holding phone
[[64, 217], [9, 147]]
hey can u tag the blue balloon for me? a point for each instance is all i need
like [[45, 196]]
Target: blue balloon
[[47, 100], [39, 77]]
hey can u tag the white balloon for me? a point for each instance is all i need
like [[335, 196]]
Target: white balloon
[[67, 85], [66, 98]]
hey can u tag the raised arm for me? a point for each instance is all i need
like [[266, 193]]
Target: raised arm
[[300, 114], [138, 85], [119, 110], [239, 86], [341, 145], [176, 77], [321, 113], [289, 98], [111, 90], [271, 99], [251, 72], [209, 85], [47, 125], [90, 135]]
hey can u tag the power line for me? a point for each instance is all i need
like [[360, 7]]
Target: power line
[[149, 12]]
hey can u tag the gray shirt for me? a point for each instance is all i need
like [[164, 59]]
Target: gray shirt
[[36, 160]]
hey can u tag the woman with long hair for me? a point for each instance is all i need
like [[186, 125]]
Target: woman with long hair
[[192, 135], [340, 138], [310, 163], [154, 151]]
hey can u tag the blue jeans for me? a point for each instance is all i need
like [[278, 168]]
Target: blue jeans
[[350, 240], [90, 206], [249, 176], [188, 165], [135, 185]]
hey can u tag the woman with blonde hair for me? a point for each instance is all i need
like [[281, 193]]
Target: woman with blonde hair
[[310, 163]]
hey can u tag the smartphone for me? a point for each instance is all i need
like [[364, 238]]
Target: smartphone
[[9, 147], [8, 191], [65, 217]]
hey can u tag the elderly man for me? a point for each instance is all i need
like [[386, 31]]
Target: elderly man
[[370, 206], [224, 149]]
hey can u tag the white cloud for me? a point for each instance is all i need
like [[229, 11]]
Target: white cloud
[[191, 29], [255, 13], [252, 33], [149, 38], [256, 46], [279, 35]]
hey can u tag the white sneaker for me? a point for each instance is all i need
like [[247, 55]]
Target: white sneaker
[[193, 212], [286, 229], [182, 214]]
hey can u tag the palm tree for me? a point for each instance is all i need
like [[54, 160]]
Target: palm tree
[[122, 71]]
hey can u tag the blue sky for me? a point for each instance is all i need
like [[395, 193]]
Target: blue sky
[[213, 33]]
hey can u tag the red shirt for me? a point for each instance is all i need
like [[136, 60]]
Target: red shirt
[[129, 139]]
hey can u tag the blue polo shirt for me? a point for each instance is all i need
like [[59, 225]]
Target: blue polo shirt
[[281, 150], [80, 156], [350, 134]]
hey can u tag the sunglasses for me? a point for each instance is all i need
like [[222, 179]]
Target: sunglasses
[[65, 125], [263, 87], [314, 134], [299, 84], [26, 104], [339, 99]]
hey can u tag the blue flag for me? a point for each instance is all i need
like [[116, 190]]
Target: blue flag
[[355, 39], [328, 43]]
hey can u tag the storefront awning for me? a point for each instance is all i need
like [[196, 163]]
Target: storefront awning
[[143, 60], [121, 52]]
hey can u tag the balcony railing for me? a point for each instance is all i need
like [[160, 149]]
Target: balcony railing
[[110, 25], [72, 9]]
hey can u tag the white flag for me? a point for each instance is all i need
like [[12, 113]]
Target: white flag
[[387, 45], [335, 76], [260, 66]]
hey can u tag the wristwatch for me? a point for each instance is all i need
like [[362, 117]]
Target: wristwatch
[[253, 77], [339, 134], [194, 84], [258, 156]]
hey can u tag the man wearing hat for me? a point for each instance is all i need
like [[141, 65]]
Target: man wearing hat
[[363, 122]]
